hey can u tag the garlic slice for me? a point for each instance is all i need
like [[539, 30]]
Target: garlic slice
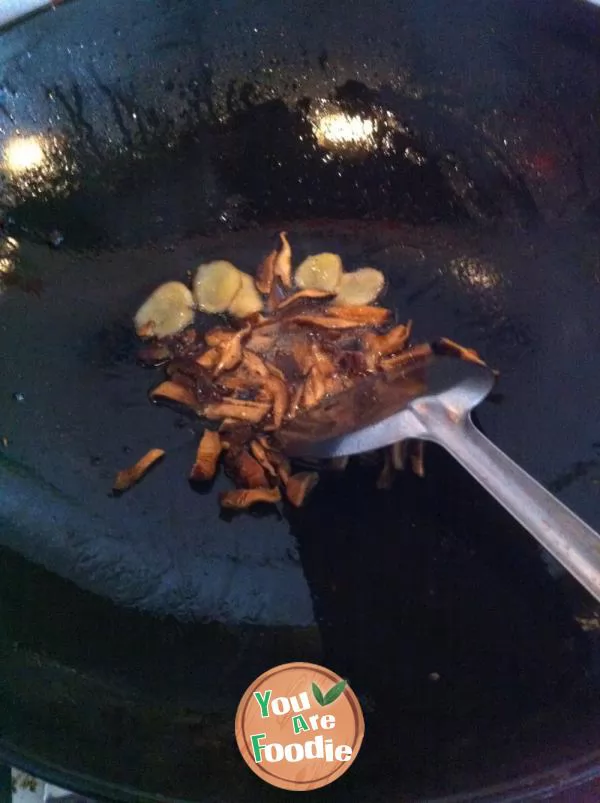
[[247, 300], [360, 287], [320, 272], [168, 310], [215, 285]]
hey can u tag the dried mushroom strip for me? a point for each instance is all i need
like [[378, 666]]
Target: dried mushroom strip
[[238, 409], [283, 262], [246, 497], [176, 392], [446, 346], [388, 472], [245, 470], [230, 352], [364, 315], [287, 342], [260, 455], [128, 477], [339, 463], [207, 457], [417, 458], [325, 322], [393, 341], [310, 293], [266, 273], [300, 485], [398, 455]]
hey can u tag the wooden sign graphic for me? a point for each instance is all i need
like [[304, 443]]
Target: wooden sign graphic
[[299, 726]]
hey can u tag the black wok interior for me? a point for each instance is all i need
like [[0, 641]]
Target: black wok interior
[[185, 131]]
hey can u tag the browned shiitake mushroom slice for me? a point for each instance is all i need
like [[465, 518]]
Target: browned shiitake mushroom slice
[[300, 485], [264, 442], [283, 262], [237, 383], [245, 470], [265, 274], [275, 371], [394, 340], [215, 285], [168, 310], [417, 458], [398, 453], [209, 358], [154, 355], [323, 322], [246, 497], [339, 463], [314, 388], [257, 319], [260, 454], [173, 391], [276, 295], [247, 300], [385, 480], [364, 315], [231, 352], [277, 391], [307, 353], [320, 272], [420, 352], [322, 360], [129, 476], [263, 337], [360, 287], [207, 457], [303, 295], [218, 336], [235, 433], [278, 460], [254, 365], [251, 412], [302, 355], [446, 346], [296, 401]]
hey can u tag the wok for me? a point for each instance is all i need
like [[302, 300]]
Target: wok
[[179, 132]]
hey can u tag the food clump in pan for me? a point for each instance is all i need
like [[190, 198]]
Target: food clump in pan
[[248, 354]]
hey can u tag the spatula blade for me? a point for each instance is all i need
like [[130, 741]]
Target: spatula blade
[[383, 409]]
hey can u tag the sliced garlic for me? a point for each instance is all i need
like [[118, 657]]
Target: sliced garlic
[[215, 285], [320, 272], [168, 310], [247, 300], [360, 287]]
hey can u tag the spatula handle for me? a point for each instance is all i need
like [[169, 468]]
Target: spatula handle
[[569, 539]]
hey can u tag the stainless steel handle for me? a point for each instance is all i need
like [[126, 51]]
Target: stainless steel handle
[[568, 539]]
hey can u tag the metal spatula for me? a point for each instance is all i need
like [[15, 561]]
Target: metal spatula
[[434, 403]]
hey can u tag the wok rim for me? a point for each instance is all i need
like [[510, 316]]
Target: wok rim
[[574, 775]]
